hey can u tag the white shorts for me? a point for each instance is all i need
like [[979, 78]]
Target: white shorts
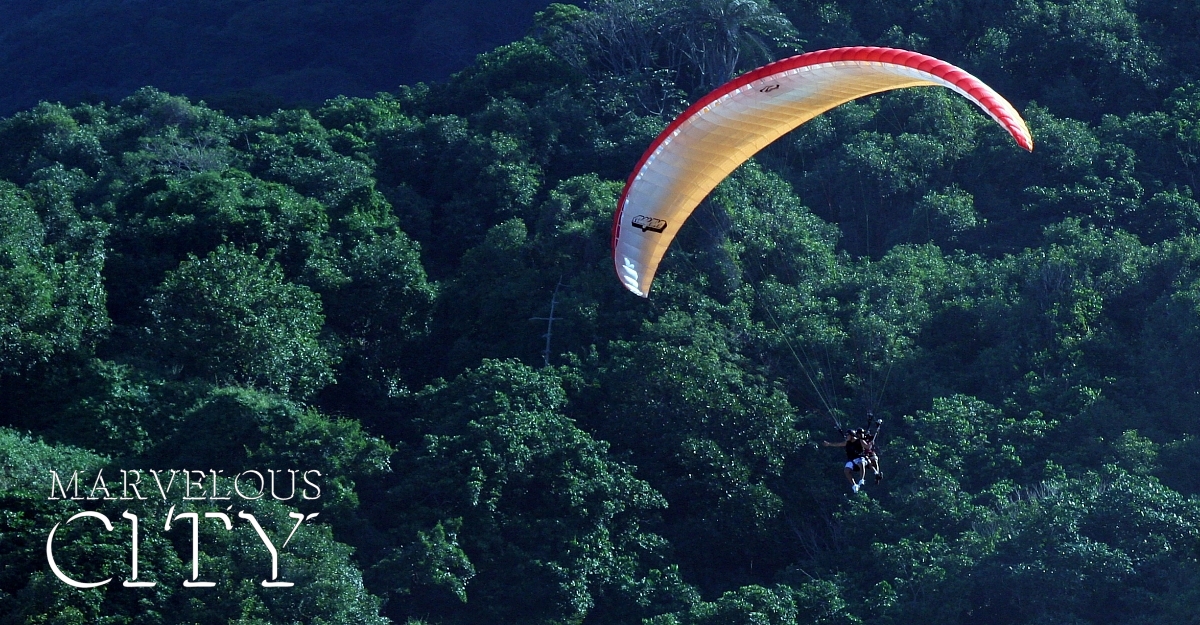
[[850, 464]]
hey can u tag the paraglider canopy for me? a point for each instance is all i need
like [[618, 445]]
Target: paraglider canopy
[[731, 124]]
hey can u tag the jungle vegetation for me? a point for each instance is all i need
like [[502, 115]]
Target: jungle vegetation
[[362, 286]]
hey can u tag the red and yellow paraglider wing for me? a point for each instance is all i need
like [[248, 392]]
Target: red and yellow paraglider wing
[[728, 126]]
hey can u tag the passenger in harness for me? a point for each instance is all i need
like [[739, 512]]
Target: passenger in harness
[[870, 455]]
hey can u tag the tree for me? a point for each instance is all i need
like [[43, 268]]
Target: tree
[[51, 297], [504, 482], [231, 317], [640, 52], [711, 433]]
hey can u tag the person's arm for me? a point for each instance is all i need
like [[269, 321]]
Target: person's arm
[[829, 444]]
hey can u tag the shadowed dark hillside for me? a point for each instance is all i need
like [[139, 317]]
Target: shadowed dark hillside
[[245, 53]]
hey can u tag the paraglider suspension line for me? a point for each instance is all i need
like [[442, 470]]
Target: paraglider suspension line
[[549, 323]]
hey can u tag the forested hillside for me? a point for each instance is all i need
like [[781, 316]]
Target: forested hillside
[[362, 288]]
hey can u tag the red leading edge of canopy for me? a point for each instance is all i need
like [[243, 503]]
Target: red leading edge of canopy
[[940, 69]]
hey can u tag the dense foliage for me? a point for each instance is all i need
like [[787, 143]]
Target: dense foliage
[[364, 287]]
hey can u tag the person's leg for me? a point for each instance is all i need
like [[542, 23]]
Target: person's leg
[[849, 471]]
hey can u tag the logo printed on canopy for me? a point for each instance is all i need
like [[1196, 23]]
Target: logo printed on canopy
[[649, 224]]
